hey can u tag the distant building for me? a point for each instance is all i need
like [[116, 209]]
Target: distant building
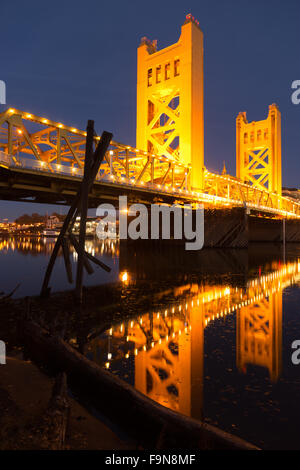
[[293, 193], [52, 222]]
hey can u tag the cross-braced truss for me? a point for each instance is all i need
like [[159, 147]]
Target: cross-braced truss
[[41, 145], [163, 124], [258, 168], [258, 151], [46, 145]]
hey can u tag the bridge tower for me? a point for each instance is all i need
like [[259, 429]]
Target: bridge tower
[[170, 118], [258, 151], [259, 335]]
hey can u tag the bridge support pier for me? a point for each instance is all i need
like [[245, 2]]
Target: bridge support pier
[[272, 230], [234, 228]]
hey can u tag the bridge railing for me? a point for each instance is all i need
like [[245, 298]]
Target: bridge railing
[[218, 190], [41, 144], [225, 187], [112, 177], [14, 161], [36, 143]]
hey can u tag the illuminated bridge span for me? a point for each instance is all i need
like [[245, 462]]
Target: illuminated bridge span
[[42, 159], [168, 345]]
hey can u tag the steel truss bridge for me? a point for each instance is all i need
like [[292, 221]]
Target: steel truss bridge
[[42, 161]]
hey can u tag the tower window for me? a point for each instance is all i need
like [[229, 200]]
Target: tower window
[[149, 77], [158, 74], [167, 71], [176, 67]]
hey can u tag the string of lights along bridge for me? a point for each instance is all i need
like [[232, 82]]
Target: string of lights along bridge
[[168, 162]]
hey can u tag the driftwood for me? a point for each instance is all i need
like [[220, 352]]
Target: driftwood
[[4, 297], [141, 418], [56, 420]]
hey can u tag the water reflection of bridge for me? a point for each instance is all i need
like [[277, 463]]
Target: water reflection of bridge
[[167, 346]]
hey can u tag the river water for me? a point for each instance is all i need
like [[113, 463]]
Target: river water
[[212, 338]]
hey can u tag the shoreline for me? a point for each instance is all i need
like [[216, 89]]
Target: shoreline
[[145, 410]]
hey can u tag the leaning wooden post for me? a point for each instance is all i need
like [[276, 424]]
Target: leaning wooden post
[[84, 207], [45, 289], [73, 212]]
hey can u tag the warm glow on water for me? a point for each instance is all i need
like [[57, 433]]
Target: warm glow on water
[[21, 255], [207, 334], [219, 353]]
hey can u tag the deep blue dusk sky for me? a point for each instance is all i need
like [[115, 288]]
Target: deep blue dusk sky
[[76, 60]]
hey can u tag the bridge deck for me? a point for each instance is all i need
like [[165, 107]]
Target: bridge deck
[[42, 161]]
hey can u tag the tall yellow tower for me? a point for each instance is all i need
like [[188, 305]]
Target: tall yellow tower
[[170, 118], [258, 151]]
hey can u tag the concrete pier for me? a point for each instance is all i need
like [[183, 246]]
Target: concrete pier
[[233, 228]]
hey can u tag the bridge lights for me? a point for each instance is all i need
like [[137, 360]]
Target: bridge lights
[[124, 276]]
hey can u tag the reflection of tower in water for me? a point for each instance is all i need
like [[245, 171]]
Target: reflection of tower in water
[[259, 331], [168, 346], [171, 371]]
